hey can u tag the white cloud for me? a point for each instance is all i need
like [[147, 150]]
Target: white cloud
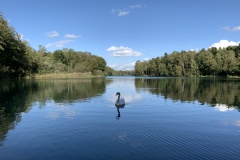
[[52, 34], [72, 36], [122, 13], [236, 28], [113, 11], [112, 48], [123, 67], [146, 59], [21, 36], [224, 43], [232, 29], [125, 11], [123, 51], [58, 44], [136, 6], [196, 50], [226, 28]]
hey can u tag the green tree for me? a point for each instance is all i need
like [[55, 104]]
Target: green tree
[[152, 67], [15, 59], [59, 56], [138, 68], [231, 62], [162, 69]]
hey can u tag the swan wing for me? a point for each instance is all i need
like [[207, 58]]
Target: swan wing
[[120, 102], [122, 99]]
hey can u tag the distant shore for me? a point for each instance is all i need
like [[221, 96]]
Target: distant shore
[[66, 75]]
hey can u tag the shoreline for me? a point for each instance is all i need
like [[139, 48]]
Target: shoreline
[[64, 75]]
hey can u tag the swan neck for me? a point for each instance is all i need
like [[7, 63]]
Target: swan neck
[[118, 97]]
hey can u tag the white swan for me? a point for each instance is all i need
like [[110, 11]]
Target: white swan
[[120, 101]]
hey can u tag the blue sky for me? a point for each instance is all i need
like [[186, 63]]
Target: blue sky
[[124, 31]]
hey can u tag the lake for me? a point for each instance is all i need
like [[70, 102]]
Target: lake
[[163, 118]]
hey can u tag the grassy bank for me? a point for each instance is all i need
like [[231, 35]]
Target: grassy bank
[[67, 75]]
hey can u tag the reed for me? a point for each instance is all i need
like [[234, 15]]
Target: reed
[[66, 75]]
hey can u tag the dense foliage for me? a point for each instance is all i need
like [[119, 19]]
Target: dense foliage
[[210, 62], [18, 59], [69, 61]]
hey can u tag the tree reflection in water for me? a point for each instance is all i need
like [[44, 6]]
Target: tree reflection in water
[[213, 91], [17, 96]]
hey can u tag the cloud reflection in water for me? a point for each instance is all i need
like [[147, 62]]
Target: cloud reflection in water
[[57, 110], [223, 108]]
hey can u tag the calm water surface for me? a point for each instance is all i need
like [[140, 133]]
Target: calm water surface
[[164, 118]]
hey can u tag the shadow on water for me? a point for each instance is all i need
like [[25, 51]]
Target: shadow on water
[[213, 91], [17, 96]]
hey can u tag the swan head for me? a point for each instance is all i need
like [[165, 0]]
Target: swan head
[[118, 93]]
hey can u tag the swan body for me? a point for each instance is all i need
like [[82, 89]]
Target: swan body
[[120, 101]]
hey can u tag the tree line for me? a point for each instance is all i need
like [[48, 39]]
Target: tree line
[[18, 59], [69, 61], [206, 62], [111, 72]]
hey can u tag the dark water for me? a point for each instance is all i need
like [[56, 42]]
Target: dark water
[[164, 118]]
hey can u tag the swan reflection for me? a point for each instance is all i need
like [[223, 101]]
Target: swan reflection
[[118, 107]]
